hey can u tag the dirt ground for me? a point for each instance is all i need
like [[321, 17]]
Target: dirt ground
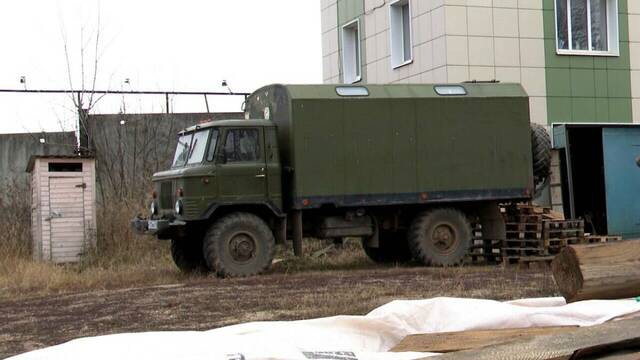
[[203, 303]]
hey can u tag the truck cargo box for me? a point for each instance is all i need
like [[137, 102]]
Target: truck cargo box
[[399, 144]]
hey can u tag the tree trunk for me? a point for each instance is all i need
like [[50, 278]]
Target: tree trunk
[[601, 271]]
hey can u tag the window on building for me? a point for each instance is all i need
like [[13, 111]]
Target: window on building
[[587, 27], [351, 58], [400, 24]]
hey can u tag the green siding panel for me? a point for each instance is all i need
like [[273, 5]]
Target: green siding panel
[[587, 88], [559, 109], [583, 109], [620, 110], [601, 83], [602, 110], [619, 83], [583, 83], [558, 82], [622, 62]]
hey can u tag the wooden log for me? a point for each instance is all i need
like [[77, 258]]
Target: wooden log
[[455, 341], [599, 271]]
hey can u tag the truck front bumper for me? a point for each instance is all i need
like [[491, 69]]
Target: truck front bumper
[[155, 227]]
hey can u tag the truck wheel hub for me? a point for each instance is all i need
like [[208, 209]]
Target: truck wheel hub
[[242, 247], [444, 238]]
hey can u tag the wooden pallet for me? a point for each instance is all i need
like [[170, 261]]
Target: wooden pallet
[[485, 251], [531, 210], [594, 239], [528, 261]]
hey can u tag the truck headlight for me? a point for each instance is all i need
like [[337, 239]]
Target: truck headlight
[[153, 208], [178, 207]]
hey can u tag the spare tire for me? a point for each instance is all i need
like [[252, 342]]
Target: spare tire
[[541, 155]]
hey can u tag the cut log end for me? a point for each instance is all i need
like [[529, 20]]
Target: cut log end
[[567, 273]]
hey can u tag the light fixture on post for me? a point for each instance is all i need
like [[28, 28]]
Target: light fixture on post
[[225, 84]]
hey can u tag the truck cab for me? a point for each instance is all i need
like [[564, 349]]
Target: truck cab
[[219, 167]]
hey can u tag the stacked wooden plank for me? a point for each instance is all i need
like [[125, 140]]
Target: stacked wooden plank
[[524, 225], [598, 239], [557, 234], [615, 339], [534, 234], [483, 251]]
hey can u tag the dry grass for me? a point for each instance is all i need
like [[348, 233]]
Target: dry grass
[[125, 260], [14, 223], [122, 258]]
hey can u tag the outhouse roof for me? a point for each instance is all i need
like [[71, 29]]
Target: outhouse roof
[[32, 159]]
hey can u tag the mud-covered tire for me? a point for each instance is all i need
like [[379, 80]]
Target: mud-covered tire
[[187, 255], [440, 237], [541, 152], [393, 248], [239, 244]]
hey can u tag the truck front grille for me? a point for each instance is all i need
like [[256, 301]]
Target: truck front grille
[[191, 208], [166, 195]]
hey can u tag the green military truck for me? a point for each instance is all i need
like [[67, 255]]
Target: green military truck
[[407, 168]]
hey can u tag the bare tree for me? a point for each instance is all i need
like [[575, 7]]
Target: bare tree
[[89, 59]]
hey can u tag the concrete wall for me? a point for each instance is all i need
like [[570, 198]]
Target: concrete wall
[[16, 149], [129, 148]]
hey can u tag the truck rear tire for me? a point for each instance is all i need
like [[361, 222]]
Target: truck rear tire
[[440, 237], [541, 155], [239, 244], [392, 248], [187, 255]]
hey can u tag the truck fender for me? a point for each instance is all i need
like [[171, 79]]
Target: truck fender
[[264, 209]]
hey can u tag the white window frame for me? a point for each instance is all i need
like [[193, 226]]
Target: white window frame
[[351, 75], [613, 44], [397, 35]]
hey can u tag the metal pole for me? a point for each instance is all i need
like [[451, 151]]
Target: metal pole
[[166, 100], [206, 102], [56, 91], [297, 232]]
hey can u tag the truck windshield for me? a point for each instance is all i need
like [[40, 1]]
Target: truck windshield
[[191, 148], [182, 152], [198, 147]]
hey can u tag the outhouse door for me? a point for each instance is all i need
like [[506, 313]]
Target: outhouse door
[[66, 204]]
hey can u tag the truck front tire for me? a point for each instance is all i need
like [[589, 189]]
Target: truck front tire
[[187, 255], [392, 248], [440, 237], [239, 244]]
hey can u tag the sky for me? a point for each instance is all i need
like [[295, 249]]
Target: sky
[[187, 45]]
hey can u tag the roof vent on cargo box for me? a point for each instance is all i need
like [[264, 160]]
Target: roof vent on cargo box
[[352, 91], [449, 90]]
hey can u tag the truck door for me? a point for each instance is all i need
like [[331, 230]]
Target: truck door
[[242, 166]]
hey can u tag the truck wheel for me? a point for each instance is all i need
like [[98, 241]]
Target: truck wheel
[[440, 237], [187, 255], [393, 248], [541, 155], [239, 244]]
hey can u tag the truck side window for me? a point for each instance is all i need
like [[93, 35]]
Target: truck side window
[[242, 145]]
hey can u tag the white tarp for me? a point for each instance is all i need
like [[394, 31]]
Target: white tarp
[[339, 337]]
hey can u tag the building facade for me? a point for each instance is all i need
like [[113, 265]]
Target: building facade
[[579, 60]]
